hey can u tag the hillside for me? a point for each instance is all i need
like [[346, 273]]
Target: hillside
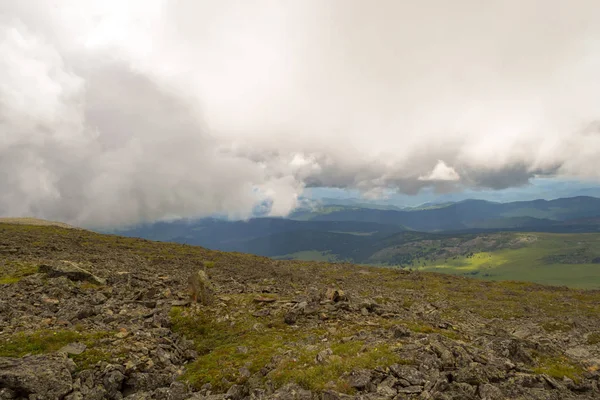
[[84, 315], [265, 236]]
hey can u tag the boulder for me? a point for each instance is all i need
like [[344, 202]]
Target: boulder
[[40, 376], [71, 271]]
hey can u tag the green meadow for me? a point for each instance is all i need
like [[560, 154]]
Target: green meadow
[[554, 259]]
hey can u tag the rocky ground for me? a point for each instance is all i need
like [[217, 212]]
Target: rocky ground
[[88, 316]]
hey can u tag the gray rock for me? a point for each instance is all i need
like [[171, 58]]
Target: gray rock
[[292, 392], [359, 379], [236, 392], [323, 355], [490, 392], [400, 332], [112, 381], [332, 395], [43, 376], [177, 391], [71, 271], [73, 348], [407, 375]]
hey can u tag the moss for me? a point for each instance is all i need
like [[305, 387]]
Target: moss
[[593, 338], [558, 367], [224, 348], [47, 341], [556, 326], [13, 271], [346, 357]]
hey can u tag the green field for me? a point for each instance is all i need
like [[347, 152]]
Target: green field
[[554, 259]]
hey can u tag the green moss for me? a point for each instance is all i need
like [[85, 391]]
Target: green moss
[[558, 367], [224, 348], [13, 271], [47, 341], [593, 338], [304, 370]]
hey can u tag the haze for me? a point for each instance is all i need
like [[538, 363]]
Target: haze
[[114, 113]]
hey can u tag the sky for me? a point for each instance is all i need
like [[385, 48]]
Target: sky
[[114, 113]]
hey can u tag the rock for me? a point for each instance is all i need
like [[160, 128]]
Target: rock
[[386, 390], [113, 380], [407, 375], [177, 391], [262, 313], [71, 271], [42, 376], [335, 295], [290, 317], [323, 355], [201, 288], [400, 332], [490, 392], [263, 299], [410, 389], [7, 394], [236, 392], [147, 381], [578, 352], [292, 392], [73, 348], [359, 379], [332, 395]]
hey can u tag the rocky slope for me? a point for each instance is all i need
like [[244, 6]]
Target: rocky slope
[[88, 316]]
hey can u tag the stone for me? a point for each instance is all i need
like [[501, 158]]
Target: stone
[[42, 376], [236, 392], [400, 332], [73, 348], [71, 271], [335, 295], [359, 379], [323, 355], [490, 392]]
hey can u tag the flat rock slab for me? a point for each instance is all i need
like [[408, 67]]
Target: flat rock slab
[[71, 271]]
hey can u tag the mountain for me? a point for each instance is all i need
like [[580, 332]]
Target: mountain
[[470, 214], [90, 316], [348, 233]]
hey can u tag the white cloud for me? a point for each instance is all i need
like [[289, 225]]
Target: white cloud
[[119, 112], [441, 172]]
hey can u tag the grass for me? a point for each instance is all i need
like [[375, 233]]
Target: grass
[[47, 341], [13, 271], [553, 259], [593, 338], [558, 367], [225, 348]]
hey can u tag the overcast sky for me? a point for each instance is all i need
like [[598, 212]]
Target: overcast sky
[[116, 112]]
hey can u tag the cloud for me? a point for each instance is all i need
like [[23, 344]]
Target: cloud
[[441, 172], [114, 113]]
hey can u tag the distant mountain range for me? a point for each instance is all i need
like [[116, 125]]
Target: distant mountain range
[[355, 233]]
